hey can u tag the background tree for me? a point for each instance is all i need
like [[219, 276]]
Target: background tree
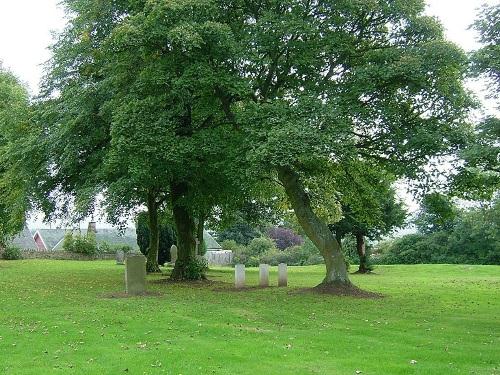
[[166, 238], [15, 156], [486, 60], [369, 207], [437, 213], [479, 175]]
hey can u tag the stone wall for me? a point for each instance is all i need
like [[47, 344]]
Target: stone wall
[[64, 255], [219, 258]]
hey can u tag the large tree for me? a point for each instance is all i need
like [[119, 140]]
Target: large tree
[[325, 83], [15, 155], [134, 88]]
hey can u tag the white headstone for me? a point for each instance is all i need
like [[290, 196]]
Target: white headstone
[[282, 275], [173, 254], [135, 274], [239, 275], [263, 275]]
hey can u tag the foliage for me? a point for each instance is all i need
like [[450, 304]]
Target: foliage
[[259, 246], [250, 255], [486, 60], [167, 236], [12, 253], [81, 243], [370, 209], [230, 245], [195, 269], [240, 232], [474, 238], [438, 213], [284, 237], [17, 161], [264, 251], [478, 176]]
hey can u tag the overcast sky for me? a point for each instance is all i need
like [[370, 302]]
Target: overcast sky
[[26, 28]]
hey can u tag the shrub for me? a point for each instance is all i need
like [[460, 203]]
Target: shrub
[[284, 237], [259, 246], [12, 253], [230, 245], [196, 269], [105, 247], [81, 244], [242, 256]]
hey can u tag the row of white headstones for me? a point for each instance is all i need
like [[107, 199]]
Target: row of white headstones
[[239, 275], [135, 274]]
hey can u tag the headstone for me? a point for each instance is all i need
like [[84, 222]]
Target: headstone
[[120, 257], [282, 275], [239, 275], [173, 254], [135, 274], [264, 275]]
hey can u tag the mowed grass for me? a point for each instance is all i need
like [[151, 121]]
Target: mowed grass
[[55, 318]]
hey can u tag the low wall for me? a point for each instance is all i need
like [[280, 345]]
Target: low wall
[[219, 258], [64, 255]]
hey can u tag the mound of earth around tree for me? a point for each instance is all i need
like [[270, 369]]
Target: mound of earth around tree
[[342, 290]]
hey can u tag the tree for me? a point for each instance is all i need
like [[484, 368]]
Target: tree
[[166, 237], [369, 208], [486, 60], [135, 89], [479, 175], [15, 131], [326, 83], [438, 213]]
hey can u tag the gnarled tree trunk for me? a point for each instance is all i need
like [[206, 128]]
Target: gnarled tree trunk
[[317, 231], [186, 234], [154, 235], [361, 248]]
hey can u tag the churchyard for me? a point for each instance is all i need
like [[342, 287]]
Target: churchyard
[[70, 317]]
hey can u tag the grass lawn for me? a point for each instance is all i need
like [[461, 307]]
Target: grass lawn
[[56, 318]]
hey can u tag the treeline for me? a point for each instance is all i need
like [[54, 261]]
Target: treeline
[[468, 236]]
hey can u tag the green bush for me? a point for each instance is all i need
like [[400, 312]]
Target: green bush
[[81, 244], [105, 247], [196, 269], [242, 256], [259, 246], [12, 253], [230, 245], [252, 256]]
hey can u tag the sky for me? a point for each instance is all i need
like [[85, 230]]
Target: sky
[[27, 26]]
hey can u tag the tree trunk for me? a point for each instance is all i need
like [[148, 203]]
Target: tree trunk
[[154, 235], [186, 230], [199, 234], [361, 248], [317, 231]]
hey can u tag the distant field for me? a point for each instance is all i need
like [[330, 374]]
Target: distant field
[[56, 317]]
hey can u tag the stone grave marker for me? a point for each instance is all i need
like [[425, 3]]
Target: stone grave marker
[[173, 254], [239, 275], [135, 274], [120, 257], [263, 275], [282, 274]]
